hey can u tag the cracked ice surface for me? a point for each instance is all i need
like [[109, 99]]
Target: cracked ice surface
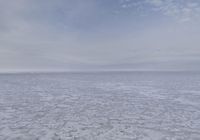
[[100, 106]]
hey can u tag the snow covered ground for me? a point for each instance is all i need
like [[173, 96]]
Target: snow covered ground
[[100, 106]]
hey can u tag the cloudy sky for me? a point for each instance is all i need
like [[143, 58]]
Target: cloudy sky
[[99, 34]]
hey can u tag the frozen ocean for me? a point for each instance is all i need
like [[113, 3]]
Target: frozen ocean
[[100, 106]]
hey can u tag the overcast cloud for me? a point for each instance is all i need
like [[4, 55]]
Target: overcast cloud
[[99, 34]]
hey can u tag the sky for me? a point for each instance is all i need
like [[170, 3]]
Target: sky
[[99, 35]]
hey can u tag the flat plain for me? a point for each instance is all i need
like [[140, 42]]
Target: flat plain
[[100, 106]]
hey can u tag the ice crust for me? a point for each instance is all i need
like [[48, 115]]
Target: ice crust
[[100, 106]]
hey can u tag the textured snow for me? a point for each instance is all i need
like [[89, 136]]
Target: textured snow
[[100, 106]]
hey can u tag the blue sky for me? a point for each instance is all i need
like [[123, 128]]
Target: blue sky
[[99, 34]]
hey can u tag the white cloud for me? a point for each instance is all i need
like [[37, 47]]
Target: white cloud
[[182, 10]]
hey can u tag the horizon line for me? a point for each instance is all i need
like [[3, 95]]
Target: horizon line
[[39, 71]]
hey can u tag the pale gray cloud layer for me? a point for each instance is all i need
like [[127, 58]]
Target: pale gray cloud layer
[[99, 34]]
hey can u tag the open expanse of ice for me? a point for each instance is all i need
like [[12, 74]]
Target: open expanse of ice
[[100, 106]]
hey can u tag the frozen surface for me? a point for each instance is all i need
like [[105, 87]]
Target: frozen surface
[[100, 106]]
